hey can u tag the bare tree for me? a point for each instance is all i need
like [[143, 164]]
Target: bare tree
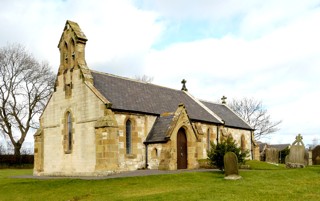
[[144, 78], [25, 86], [253, 112]]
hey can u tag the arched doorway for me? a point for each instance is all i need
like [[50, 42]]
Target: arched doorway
[[182, 151]]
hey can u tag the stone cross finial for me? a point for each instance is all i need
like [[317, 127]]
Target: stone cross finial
[[183, 82], [298, 140], [224, 100], [299, 137]]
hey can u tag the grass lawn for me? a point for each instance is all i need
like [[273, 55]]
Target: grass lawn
[[263, 182]]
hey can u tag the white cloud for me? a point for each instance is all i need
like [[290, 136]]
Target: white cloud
[[118, 33], [271, 53], [201, 9], [281, 68]]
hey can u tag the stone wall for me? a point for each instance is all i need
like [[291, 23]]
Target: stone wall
[[141, 126], [154, 154], [85, 108], [242, 138], [107, 143], [206, 133]]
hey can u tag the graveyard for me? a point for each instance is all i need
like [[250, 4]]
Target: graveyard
[[293, 180], [263, 181], [294, 155]]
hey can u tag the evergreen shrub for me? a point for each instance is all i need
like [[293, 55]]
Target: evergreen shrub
[[217, 152]]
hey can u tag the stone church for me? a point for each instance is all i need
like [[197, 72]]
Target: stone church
[[97, 123]]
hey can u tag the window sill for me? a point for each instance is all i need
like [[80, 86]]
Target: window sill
[[131, 156], [68, 152]]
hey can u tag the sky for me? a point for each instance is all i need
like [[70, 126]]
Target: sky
[[266, 50]]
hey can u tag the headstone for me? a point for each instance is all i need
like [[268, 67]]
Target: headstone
[[272, 155], [231, 169], [317, 160], [316, 155], [296, 157], [310, 158], [306, 158]]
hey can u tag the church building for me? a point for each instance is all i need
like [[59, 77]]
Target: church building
[[97, 123]]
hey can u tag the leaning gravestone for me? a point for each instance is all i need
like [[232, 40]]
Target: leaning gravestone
[[272, 155], [296, 157], [231, 169]]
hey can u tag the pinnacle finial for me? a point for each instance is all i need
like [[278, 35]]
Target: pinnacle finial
[[183, 82]]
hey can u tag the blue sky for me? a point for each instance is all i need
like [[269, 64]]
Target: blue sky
[[267, 50]]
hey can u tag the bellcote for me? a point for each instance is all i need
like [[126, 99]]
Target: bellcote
[[72, 50]]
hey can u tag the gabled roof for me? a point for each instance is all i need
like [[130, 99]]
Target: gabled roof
[[159, 129], [77, 30], [262, 146], [229, 117], [131, 95]]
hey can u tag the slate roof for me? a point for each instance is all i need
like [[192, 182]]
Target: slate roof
[[159, 129], [227, 115], [279, 146], [262, 146], [130, 95]]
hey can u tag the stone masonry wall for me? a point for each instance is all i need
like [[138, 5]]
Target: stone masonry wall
[[206, 133], [242, 137], [141, 126], [85, 108]]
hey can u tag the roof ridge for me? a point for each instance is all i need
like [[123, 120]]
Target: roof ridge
[[133, 80], [204, 107], [202, 100], [226, 107], [238, 116]]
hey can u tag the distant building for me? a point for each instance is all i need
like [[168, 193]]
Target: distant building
[[279, 147]]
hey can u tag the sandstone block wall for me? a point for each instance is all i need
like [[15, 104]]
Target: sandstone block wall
[[141, 126], [85, 108]]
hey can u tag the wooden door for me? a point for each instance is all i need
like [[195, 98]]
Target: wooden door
[[182, 151]]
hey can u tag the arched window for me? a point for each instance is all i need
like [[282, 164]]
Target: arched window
[[154, 153], [128, 137], [72, 52], [69, 131], [243, 143], [65, 53]]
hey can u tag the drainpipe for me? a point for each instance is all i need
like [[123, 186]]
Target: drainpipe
[[251, 145], [146, 156]]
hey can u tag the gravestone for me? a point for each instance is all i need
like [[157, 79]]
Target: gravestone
[[272, 155], [316, 155], [231, 169], [296, 157], [310, 157], [317, 160]]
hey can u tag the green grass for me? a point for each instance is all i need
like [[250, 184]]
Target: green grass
[[263, 182], [258, 165]]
